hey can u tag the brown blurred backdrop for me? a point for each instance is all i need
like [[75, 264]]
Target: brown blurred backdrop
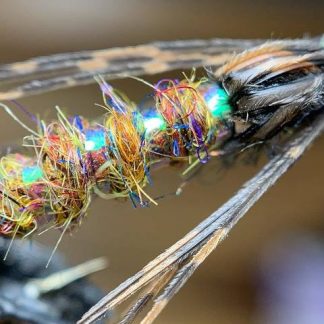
[[227, 288]]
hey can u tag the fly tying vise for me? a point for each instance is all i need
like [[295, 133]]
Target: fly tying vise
[[247, 100]]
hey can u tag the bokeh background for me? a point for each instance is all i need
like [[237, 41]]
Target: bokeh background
[[267, 271]]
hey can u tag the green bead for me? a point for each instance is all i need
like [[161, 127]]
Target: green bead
[[154, 122], [95, 139], [217, 101], [31, 174]]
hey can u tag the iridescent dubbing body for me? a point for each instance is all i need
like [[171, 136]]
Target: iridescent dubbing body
[[76, 158]]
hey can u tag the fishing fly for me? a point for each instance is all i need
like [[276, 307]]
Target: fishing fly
[[246, 101]]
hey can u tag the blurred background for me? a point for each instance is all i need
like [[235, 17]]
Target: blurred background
[[270, 268]]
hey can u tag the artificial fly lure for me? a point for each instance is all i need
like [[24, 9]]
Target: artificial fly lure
[[246, 101]]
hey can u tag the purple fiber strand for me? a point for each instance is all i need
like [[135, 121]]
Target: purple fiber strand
[[25, 110], [206, 158], [197, 129], [107, 90]]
